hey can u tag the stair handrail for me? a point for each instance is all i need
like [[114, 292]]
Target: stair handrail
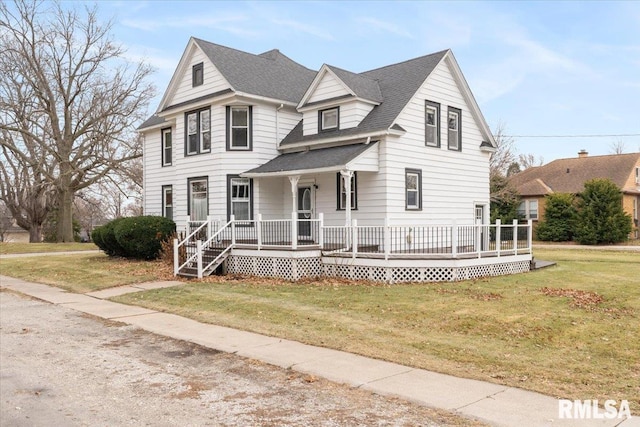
[[186, 239], [207, 244]]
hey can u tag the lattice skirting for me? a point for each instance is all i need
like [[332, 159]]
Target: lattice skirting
[[284, 268], [298, 268]]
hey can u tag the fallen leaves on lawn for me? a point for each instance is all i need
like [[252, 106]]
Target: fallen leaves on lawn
[[581, 299]]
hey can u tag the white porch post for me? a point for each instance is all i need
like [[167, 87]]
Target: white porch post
[[515, 237], [387, 238], [259, 230], [321, 230], [294, 230], [498, 236], [454, 239], [346, 177], [530, 235], [294, 192], [176, 258]]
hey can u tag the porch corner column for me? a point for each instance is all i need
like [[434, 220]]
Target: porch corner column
[[346, 177], [294, 192]]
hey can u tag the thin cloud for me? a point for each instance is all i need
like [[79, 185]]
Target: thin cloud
[[190, 22], [304, 28], [384, 26]]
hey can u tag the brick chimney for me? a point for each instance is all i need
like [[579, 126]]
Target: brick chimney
[[583, 153]]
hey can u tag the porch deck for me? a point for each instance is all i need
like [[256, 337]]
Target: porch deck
[[419, 246]]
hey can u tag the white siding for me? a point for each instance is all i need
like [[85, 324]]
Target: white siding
[[452, 181], [328, 87], [351, 114], [213, 80], [217, 164]]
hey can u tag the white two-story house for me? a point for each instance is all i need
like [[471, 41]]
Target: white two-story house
[[316, 167]]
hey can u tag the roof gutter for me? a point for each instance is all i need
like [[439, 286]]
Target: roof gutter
[[330, 141]]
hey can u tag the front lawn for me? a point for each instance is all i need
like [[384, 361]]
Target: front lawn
[[83, 272], [568, 331]]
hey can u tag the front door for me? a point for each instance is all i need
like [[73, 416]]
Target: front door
[[305, 212]]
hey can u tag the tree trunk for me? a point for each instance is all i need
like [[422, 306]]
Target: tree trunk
[[65, 215], [35, 233]]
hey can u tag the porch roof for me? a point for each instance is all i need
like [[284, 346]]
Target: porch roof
[[355, 157]]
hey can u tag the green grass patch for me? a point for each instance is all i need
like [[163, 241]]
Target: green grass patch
[[25, 248], [81, 272]]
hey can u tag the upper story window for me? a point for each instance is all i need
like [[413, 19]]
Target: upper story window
[[637, 175], [413, 189], [342, 192], [329, 119], [455, 132], [167, 147], [239, 128], [198, 132], [197, 75], [432, 124]]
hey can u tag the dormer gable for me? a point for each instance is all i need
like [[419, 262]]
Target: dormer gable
[[337, 99], [195, 77]]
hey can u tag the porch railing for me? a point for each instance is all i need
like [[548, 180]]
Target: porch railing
[[382, 241]]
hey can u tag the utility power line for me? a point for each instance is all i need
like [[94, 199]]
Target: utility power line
[[573, 136]]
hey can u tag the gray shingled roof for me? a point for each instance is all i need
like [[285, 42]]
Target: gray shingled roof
[[362, 86], [269, 74], [151, 121], [569, 175], [313, 159], [397, 83]]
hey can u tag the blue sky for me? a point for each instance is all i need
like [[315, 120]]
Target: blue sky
[[541, 68]]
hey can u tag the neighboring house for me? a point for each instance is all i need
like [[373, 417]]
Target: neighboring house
[[569, 176], [272, 155], [10, 231]]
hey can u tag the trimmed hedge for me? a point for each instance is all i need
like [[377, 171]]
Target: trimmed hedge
[[135, 237], [141, 236], [105, 238]]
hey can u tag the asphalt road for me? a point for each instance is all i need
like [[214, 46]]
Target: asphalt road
[[59, 367]]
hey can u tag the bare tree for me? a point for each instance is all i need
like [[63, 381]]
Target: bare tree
[[23, 186], [529, 160], [617, 147], [504, 156], [83, 95]]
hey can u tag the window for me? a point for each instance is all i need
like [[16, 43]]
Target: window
[[198, 198], [432, 124], [413, 189], [198, 130], [455, 133], [197, 75], [240, 198], [637, 175], [342, 195], [329, 119], [635, 210], [167, 201], [167, 147], [528, 209], [239, 133]]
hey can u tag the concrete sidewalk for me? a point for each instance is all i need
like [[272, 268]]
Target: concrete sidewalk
[[495, 404]]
